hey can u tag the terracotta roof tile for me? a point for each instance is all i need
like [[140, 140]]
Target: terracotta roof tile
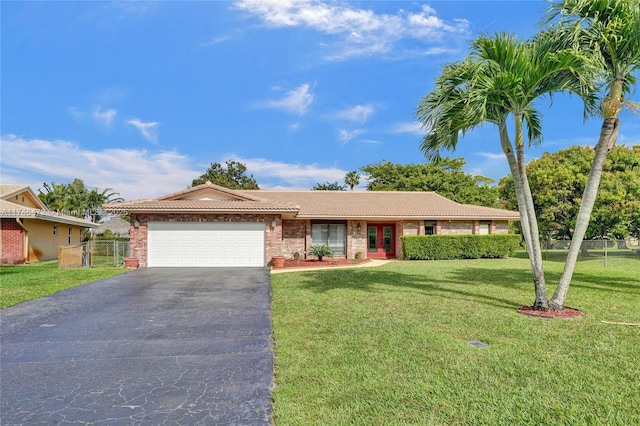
[[201, 206], [321, 204], [381, 204]]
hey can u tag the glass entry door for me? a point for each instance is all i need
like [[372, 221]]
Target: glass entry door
[[381, 240]]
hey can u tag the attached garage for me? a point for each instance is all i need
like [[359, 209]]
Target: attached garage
[[206, 244]]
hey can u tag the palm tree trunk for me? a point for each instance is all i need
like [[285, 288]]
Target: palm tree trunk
[[542, 301], [608, 132], [530, 238]]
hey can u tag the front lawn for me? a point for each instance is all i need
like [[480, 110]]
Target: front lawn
[[26, 282], [388, 345]]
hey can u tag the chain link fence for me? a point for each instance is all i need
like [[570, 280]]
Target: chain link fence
[[606, 251], [93, 253]]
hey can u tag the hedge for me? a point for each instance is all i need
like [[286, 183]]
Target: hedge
[[438, 247]]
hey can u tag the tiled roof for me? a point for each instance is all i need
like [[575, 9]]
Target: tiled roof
[[17, 211], [318, 204], [200, 206], [381, 204], [9, 189]]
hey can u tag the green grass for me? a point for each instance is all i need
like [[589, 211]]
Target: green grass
[[26, 282], [388, 345]]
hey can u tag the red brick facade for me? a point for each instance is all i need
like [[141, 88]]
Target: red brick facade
[[294, 236], [12, 242]]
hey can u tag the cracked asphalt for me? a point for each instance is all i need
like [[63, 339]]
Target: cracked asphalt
[[153, 346]]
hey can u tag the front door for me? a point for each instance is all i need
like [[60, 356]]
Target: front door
[[381, 240]]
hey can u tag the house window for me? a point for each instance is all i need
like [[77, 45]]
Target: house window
[[70, 235], [429, 227], [333, 235], [485, 227], [55, 229]]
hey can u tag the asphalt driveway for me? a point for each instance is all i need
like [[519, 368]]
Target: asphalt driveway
[[153, 346]]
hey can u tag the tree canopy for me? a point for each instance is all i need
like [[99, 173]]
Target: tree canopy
[[329, 186], [557, 183], [444, 177], [232, 176], [75, 199]]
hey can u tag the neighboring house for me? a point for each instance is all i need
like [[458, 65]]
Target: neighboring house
[[117, 225], [30, 231], [208, 225]]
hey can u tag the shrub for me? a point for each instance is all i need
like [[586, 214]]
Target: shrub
[[320, 251], [438, 247]]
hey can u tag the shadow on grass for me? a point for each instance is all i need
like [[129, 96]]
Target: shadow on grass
[[475, 283], [460, 283]]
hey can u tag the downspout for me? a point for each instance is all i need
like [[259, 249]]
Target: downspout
[[25, 241]]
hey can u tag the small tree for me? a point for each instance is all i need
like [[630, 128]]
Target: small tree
[[320, 251], [231, 176]]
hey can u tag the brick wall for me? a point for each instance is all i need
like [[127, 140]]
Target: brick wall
[[356, 239], [293, 237], [12, 242], [455, 228], [501, 227]]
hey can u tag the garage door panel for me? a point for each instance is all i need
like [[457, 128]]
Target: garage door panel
[[205, 244]]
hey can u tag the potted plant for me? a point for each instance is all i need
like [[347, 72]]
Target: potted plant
[[278, 261], [131, 262]]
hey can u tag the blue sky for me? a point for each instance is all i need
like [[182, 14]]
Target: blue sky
[[141, 97]]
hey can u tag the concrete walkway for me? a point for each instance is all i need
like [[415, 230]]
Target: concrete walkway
[[149, 347]]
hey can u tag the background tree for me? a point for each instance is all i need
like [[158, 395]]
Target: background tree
[[609, 33], [75, 199], [352, 179], [557, 183], [444, 177], [503, 78], [231, 176], [329, 186]]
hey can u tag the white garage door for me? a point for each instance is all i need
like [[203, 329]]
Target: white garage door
[[206, 244]]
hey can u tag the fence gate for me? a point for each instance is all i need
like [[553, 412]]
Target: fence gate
[[93, 253]]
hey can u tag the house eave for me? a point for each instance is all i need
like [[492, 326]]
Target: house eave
[[404, 217], [48, 217], [200, 210]]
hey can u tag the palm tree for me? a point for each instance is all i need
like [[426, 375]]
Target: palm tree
[[352, 179], [96, 199], [609, 31], [502, 78]]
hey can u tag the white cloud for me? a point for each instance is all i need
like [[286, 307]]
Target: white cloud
[[216, 40], [296, 101], [492, 156], [346, 135], [358, 113], [148, 130], [133, 173], [104, 117], [412, 127], [358, 32], [137, 173], [280, 175]]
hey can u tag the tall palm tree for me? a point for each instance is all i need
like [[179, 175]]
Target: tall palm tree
[[352, 179], [96, 199], [609, 31], [502, 78]]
